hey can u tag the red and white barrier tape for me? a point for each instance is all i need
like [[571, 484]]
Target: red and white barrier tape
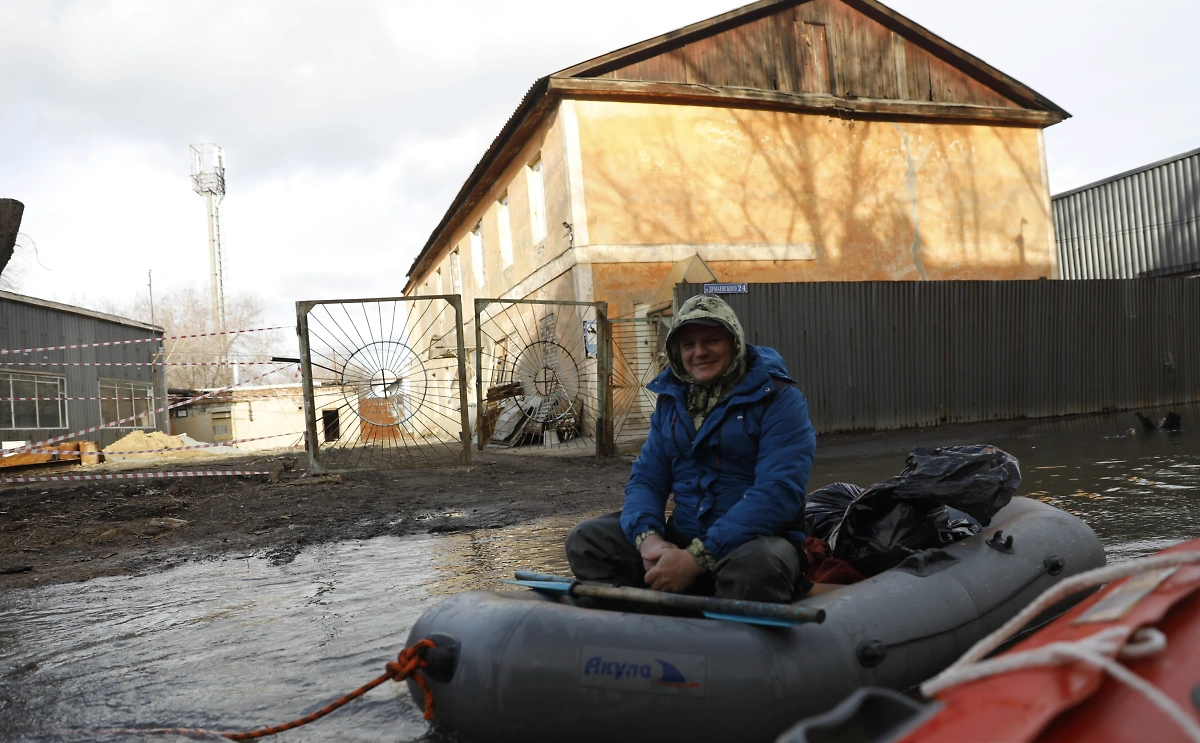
[[57, 399], [5, 452], [134, 476], [136, 363], [260, 396], [137, 340], [171, 406]]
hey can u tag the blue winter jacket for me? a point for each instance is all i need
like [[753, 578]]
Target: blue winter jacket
[[742, 475]]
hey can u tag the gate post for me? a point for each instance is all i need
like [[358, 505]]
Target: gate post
[[604, 361], [480, 304], [311, 444], [465, 414]]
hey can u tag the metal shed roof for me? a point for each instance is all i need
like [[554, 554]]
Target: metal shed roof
[[34, 301], [1127, 173], [1143, 223]]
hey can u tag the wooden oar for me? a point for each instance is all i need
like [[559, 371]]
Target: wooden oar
[[757, 612]]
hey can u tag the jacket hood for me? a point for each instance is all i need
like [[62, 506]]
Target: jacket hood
[[706, 309], [770, 362]]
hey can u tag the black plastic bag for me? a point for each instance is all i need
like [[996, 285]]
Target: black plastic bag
[[824, 508], [941, 496]]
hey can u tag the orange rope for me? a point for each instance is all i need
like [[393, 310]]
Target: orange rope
[[406, 665]]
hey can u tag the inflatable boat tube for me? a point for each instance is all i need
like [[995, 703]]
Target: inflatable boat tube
[[527, 666]]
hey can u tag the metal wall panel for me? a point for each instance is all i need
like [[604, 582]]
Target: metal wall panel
[[880, 355], [30, 324], [1140, 224]]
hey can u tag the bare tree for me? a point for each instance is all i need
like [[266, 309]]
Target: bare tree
[[186, 310]]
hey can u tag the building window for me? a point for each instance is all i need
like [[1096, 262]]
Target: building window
[[455, 273], [537, 201], [441, 288], [40, 401], [505, 225], [120, 400], [477, 255]]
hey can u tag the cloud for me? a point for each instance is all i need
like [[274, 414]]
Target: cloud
[[290, 84], [349, 126], [1124, 78]]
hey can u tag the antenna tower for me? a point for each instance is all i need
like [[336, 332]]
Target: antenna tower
[[208, 180]]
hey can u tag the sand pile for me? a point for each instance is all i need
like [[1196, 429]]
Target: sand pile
[[141, 441]]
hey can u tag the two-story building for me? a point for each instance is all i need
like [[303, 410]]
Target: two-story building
[[782, 141]]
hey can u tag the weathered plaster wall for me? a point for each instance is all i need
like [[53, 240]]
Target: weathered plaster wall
[[561, 288], [277, 412], [280, 416], [777, 196], [624, 284], [528, 255]]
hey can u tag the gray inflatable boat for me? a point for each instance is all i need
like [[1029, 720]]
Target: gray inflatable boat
[[527, 666]]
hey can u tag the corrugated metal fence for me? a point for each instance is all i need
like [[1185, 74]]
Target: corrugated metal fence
[[1141, 224], [885, 355]]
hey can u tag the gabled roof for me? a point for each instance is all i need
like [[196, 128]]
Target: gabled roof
[[818, 12], [876, 64]]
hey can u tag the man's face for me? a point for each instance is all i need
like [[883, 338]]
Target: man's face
[[706, 352]]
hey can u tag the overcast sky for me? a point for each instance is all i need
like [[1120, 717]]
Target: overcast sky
[[349, 126]]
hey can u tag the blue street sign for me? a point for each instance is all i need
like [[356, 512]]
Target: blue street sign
[[726, 288]]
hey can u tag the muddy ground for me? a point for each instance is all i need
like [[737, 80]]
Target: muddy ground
[[62, 532]]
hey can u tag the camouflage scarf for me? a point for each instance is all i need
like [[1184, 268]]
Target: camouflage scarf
[[702, 400]]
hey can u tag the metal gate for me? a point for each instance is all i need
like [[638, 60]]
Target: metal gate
[[638, 357], [384, 383], [541, 375]]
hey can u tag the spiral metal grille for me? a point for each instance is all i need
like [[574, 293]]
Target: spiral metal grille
[[538, 374], [384, 380], [549, 378]]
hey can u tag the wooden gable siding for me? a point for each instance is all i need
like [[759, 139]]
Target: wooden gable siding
[[818, 46]]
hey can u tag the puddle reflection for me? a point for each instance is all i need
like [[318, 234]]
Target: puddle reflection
[[239, 643]]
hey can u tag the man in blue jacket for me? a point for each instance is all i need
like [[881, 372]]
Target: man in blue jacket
[[731, 440]]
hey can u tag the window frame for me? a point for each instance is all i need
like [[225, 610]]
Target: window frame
[[504, 228], [535, 177], [38, 379], [134, 387], [478, 267], [455, 272]]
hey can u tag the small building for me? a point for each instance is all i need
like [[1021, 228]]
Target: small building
[[786, 140], [1144, 223], [66, 369], [252, 418]]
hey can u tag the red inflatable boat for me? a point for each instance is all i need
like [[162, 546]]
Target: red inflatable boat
[[1122, 665]]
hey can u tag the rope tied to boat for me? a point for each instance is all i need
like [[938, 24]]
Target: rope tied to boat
[[406, 665], [1096, 650]]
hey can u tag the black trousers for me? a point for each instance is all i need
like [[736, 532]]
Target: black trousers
[[763, 569]]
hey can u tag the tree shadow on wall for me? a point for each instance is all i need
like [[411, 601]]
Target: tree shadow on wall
[[857, 191]]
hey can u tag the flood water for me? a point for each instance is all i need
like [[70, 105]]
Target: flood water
[[238, 643]]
